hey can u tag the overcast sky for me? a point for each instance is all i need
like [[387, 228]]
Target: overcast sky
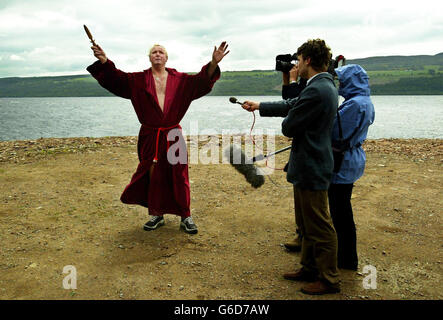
[[43, 37]]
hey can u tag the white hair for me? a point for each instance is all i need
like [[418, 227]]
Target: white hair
[[158, 45]]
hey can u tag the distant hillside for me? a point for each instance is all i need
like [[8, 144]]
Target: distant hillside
[[399, 62], [390, 75], [63, 86]]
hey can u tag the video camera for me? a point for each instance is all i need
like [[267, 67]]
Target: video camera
[[283, 63]]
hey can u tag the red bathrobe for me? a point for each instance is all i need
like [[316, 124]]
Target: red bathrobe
[[169, 190]]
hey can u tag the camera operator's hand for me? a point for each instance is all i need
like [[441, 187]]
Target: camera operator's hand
[[285, 78], [251, 105], [293, 73]]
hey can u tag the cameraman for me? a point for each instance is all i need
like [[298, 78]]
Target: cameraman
[[308, 120], [356, 114], [292, 86]]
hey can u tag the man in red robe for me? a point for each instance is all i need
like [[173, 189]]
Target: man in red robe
[[160, 96]]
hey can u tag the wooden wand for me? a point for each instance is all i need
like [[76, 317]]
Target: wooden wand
[[89, 35]]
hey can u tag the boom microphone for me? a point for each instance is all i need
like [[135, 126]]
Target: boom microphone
[[262, 157], [252, 174]]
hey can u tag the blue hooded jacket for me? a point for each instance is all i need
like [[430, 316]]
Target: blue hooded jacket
[[356, 110]]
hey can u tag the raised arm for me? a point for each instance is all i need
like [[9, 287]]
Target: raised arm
[[200, 84], [217, 56], [108, 76]]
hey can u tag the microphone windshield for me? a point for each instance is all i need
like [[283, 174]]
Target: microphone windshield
[[239, 161], [233, 100]]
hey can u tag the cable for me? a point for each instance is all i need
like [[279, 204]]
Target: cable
[[253, 141]]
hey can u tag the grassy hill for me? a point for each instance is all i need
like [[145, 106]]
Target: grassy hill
[[390, 75]]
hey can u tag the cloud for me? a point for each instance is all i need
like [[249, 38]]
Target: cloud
[[48, 35], [15, 57]]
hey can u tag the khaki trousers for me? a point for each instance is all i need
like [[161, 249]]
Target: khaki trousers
[[319, 240]]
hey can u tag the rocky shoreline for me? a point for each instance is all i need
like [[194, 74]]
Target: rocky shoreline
[[19, 151]]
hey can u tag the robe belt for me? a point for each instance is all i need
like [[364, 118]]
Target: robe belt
[[158, 137]]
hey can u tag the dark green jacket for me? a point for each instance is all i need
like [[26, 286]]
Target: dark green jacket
[[308, 120]]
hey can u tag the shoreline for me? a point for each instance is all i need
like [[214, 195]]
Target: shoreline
[[23, 150]]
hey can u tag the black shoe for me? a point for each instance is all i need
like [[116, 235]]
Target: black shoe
[[188, 225], [294, 245], [301, 275], [320, 287], [154, 223]]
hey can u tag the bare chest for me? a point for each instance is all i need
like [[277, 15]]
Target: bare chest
[[160, 89]]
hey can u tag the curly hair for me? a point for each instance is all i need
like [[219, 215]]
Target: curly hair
[[318, 51]]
